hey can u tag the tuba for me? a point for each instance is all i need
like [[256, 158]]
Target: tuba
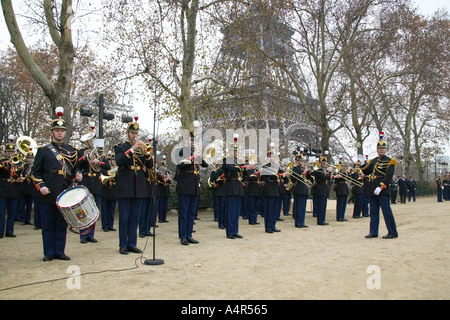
[[25, 145], [88, 139]]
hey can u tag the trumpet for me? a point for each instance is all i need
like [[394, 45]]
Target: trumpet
[[111, 175]]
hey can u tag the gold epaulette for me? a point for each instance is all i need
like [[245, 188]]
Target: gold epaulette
[[393, 162]]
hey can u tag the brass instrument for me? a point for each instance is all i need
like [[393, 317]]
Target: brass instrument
[[88, 139], [111, 175], [344, 176], [15, 159], [213, 153], [25, 145], [301, 178], [146, 149]]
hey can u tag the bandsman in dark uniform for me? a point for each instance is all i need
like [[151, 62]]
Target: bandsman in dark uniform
[[285, 195], [341, 189], [412, 186], [301, 179], [131, 186], [234, 191], [90, 162], [109, 197], [270, 192], [358, 192], [403, 188], [164, 183], [27, 191], [10, 182], [217, 182], [253, 191], [54, 169], [188, 189], [446, 190], [380, 171], [321, 190]]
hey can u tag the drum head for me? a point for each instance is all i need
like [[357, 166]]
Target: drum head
[[72, 197]]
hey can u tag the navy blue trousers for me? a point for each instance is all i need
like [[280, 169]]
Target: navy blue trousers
[[341, 205], [286, 201], [108, 208], [147, 215], [186, 215], [252, 205], [233, 209], [163, 203], [219, 210], [377, 202], [7, 205], [270, 212], [54, 229], [299, 210], [321, 208], [357, 208], [129, 209]]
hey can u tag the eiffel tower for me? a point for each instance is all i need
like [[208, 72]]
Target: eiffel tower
[[265, 97]]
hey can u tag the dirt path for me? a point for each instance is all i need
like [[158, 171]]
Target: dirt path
[[321, 262]]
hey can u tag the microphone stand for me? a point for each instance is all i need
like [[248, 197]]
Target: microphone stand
[[154, 261]]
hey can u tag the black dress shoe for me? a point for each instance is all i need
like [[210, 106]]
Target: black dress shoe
[[276, 230], [390, 236], [231, 237], [134, 249], [184, 241], [10, 235], [370, 235], [93, 240], [192, 240], [47, 258], [83, 241], [238, 236], [112, 229], [123, 250], [322, 223], [62, 257]]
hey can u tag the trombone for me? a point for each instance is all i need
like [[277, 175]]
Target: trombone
[[344, 176], [301, 178]]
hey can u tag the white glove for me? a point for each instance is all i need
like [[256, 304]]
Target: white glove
[[361, 159], [377, 191]]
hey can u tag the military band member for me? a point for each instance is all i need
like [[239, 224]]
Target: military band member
[[380, 171], [357, 190], [217, 181], [321, 190], [109, 197], [10, 182], [270, 192], [403, 188], [341, 189], [165, 180], [54, 169], [300, 178], [253, 190], [188, 190], [446, 190], [131, 186], [25, 202], [90, 161], [234, 191]]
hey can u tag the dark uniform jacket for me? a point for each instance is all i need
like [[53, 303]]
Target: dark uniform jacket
[[188, 176], [27, 188], [269, 177], [234, 177], [54, 170], [379, 172], [320, 187], [300, 188], [108, 186], [131, 179], [341, 187], [217, 177], [9, 173], [252, 183], [355, 188], [91, 178]]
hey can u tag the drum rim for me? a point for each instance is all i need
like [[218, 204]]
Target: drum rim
[[75, 205]]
